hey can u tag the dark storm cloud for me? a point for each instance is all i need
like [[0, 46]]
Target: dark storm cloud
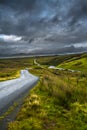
[[15, 16], [42, 25], [22, 16], [78, 11]]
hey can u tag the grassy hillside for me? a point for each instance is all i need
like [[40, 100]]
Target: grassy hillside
[[58, 102], [75, 63], [54, 60]]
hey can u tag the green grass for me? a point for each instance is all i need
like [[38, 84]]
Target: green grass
[[10, 68], [54, 104], [59, 101], [77, 63], [56, 60]]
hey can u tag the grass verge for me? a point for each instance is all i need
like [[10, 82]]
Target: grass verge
[[59, 101], [56, 103]]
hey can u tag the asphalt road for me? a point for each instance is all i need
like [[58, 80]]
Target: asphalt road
[[12, 90]]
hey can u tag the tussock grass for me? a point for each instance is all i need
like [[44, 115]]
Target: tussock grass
[[59, 101], [55, 103]]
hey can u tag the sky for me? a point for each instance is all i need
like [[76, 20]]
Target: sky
[[42, 26]]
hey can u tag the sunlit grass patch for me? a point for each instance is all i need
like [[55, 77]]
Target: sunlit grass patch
[[9, 76], [77, 64], [26, 124]]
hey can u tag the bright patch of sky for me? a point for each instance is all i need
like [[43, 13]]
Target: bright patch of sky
[[78, 45], [10, 38]]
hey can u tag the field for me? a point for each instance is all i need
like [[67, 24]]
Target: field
[[59, 101]]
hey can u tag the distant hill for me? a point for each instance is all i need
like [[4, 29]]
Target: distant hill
[[79, 62]]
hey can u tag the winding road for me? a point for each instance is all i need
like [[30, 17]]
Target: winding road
[[12, 90]]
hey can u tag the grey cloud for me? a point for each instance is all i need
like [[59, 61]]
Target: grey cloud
[[18, 16], [65, 21]]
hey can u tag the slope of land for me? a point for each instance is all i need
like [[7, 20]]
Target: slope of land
[[59, 101], [76, 63]]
